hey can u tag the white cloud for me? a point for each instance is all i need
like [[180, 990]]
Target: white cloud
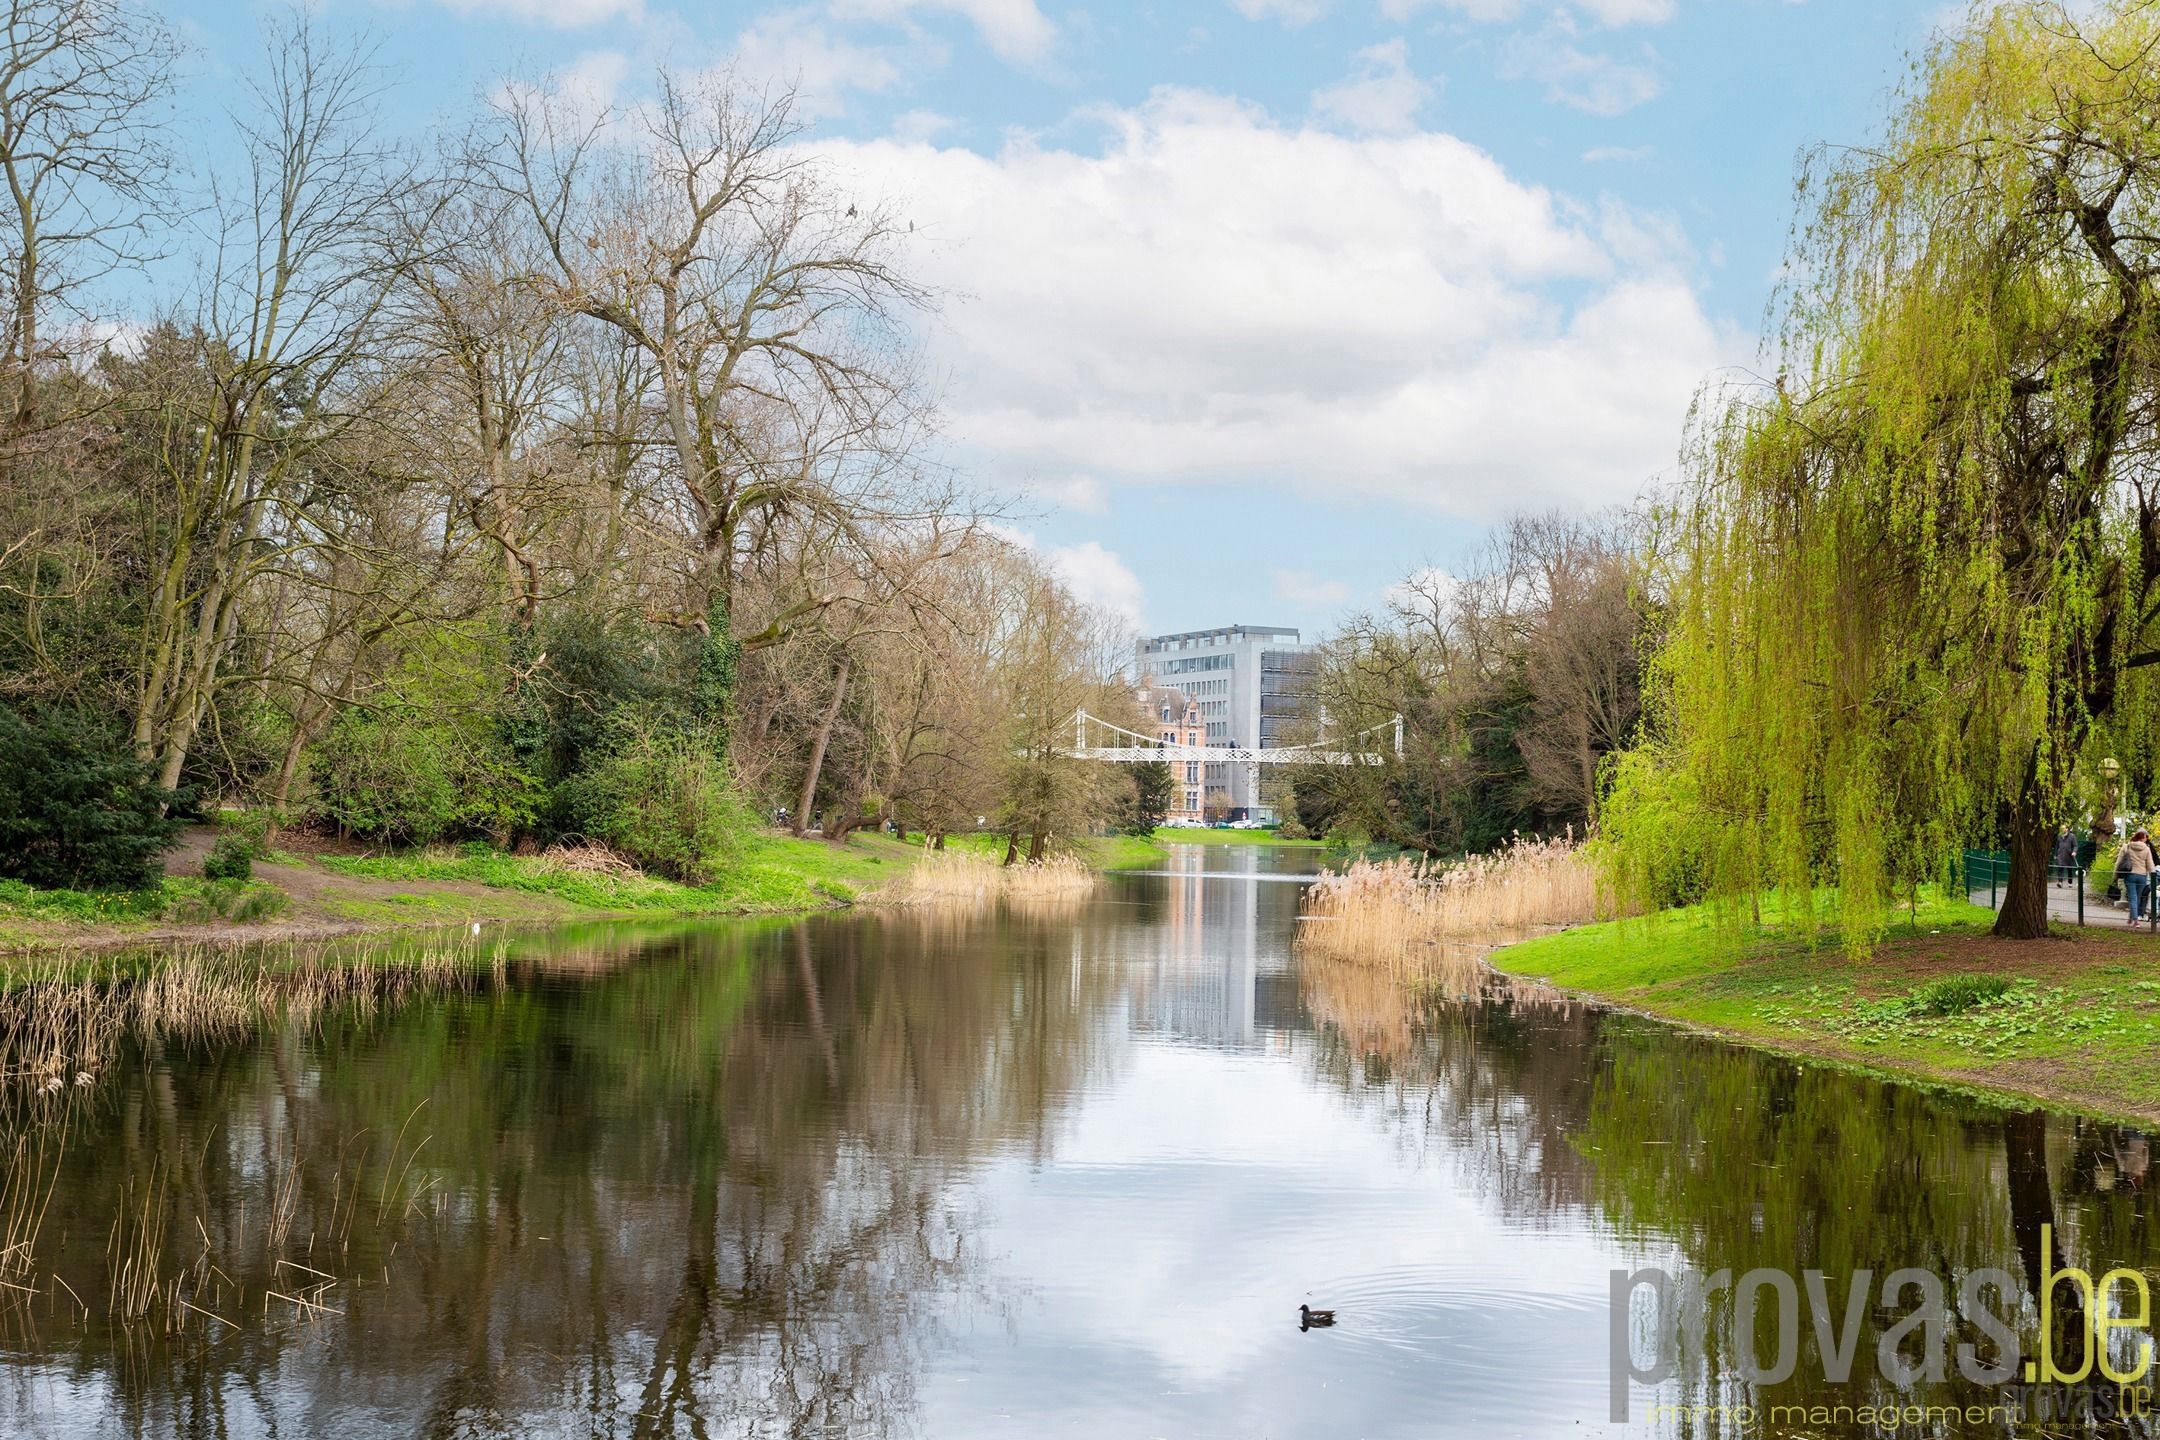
[[1100, 578], [1211, 296], [1381, 96], [1097, 575], [919, 127], [581, 91], [1611, 154], [562, 14], [1290, 12], [1481, 10], [796, 48], [1628, 12], [1083, 493], [1303, 587], [1014, 29], [1592, 81]]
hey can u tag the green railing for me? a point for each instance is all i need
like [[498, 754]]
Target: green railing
[[1989, 870]]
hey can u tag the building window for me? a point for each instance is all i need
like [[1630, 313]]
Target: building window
[[1192, 772], [1166, 712], [1192, 800]]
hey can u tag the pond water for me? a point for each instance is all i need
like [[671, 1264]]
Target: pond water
[[1044, 1171]]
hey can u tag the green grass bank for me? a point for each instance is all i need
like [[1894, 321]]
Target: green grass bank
[[2073, 1020], [300, 896]]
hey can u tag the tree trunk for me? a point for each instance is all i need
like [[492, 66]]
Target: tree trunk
[[1012, 845], [1035, 846], [817, 748], [2024, 914]]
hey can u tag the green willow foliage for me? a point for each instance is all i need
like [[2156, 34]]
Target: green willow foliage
[[1913, 578]]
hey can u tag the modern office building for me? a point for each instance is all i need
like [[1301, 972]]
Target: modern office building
[[1248, 681]]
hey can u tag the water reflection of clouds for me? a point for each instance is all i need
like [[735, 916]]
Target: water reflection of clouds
[[1227, 1188]]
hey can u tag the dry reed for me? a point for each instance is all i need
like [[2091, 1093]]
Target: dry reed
[[59, 1030], [1398, 913], [61, 1025], [591, 858], [955, 877]]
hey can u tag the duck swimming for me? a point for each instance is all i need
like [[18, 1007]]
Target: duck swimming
[[1311, 1319]]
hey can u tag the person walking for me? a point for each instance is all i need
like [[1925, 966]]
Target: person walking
[[2136, 864], [2065, 856]]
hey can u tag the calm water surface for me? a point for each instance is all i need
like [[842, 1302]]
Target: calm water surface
[[1054, 1173]]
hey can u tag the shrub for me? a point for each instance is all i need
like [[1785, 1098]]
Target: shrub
[[662, 797], [229, 898], [1351, 838], [1955, 994], [231, 858], [1290, 829], [77, 809], [411, 780]]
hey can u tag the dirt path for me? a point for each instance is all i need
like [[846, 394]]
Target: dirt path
[[321, 905]]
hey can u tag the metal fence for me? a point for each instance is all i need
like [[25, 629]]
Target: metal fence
[[1990, 870]]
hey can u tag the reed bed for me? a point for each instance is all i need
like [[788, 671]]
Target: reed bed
[[1399, 914], [956, 877], [60, 1024], [271, 1259]]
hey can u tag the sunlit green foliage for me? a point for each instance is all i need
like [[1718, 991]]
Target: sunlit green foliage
[[1913, 574], [661, 796], [427, 759], [2078, 1025]]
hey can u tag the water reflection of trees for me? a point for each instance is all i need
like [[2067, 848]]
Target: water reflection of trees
[[1690, 1151], [707, 1185], [1491, 1078]]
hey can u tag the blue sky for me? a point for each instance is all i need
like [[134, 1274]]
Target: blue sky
[[1256, 305]]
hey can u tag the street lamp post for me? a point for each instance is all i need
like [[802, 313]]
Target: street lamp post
[[2103, 825]]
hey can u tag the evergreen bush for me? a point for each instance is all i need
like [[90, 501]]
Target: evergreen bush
[[77, 809]]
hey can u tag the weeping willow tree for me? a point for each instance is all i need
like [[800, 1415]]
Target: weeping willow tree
[[1914, 578]]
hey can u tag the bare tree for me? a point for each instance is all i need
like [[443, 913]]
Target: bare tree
[[1579, 650], [85, 164], [766, 303], [495, 362], [244, 394]]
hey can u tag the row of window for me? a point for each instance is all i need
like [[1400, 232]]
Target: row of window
[[1196, 663]]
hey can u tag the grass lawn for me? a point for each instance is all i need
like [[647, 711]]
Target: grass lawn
[[1104, 852], [1232, 837], [2073, 1019], [27, 914], [774, 873], [297, 895]]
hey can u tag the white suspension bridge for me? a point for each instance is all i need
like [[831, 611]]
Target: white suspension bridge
[[1139, 749]]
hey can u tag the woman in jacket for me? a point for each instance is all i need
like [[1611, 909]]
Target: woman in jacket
[[2136, 865]]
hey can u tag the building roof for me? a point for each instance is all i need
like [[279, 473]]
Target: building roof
[[1254, 632]]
